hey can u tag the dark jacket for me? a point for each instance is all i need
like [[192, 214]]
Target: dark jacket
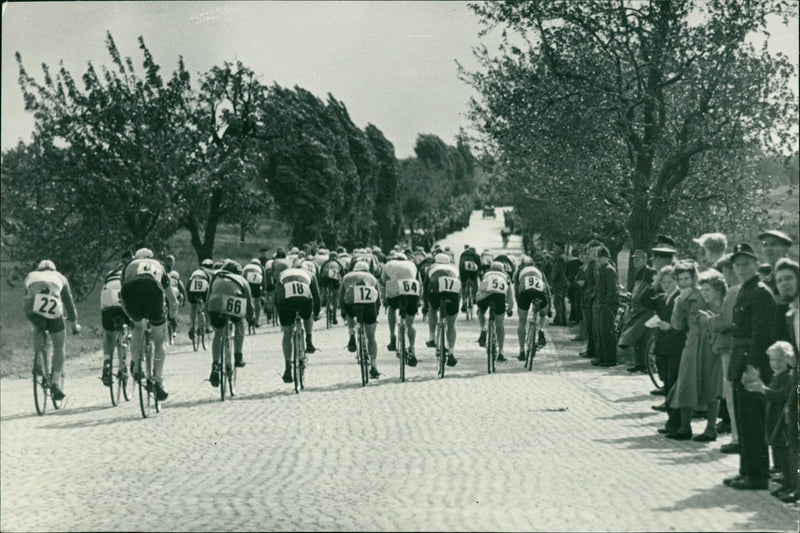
[[781, 388], [670, 342], [753, 330], [606, 292]]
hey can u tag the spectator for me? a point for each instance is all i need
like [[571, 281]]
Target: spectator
[[723, 327], [753, 332], [663, 255], [669, 342], [776, 246], [714, 245], [713, 288], [587, 298], [689, 391], [635, 335], [764, 271], [787, 278], [605, 309], [559, 284], [573, 290], [780, 393]]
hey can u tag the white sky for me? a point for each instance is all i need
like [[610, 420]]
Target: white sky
[[391, 63]]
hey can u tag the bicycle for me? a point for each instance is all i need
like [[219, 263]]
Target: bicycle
[[402, 351], [362, 351], [652, 364], [227, 370], [144, 379], [622, 310], [199, 335], [491, 342], [299, 357], [531, 334], [42, 380], [469, 300], [330, 307], [119, 381], [441, 339]]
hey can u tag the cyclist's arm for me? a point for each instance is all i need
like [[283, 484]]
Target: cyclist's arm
[[315, 295], [182, 289], [251, 310], [172, 300], [69, 303]]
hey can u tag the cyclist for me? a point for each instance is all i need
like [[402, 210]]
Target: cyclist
[[225, 284], [330, 277], [310, 267], [468, 267], [296, 292], [199, 282], [344, 257], [529, 284], [442, 290], [253, 272], [112, 317], [486, 262], [496, 290], [321, 257], [145, 284], [47, 292], [402, 288], [179, 291], [509, 264], [362, 277], [294, 252]]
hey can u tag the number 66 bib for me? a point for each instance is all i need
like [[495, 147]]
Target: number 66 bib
[[47, 306], [234, 306]]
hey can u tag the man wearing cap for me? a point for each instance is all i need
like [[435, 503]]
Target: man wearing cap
[[558, 284], [605, 309], [635, 334], [754, 318], [776, 246], [572, 269], [469, 264], [587, 298], [359, 297], [401, 283], [441, 292]]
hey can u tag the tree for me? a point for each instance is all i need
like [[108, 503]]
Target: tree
[[642, 113]]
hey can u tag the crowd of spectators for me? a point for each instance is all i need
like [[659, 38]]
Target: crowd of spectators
[[723, 330]]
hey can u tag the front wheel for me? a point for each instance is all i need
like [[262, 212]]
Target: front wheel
[[401, 350], [363, 357], [652, 364], [441, 348], [490, 347]]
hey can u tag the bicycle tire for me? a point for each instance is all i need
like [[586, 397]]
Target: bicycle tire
[[363, 356], [151, 361], [440, 340], [230, 366], [531, 340], [195, 339], [41, 386], [203, 330], [144, 395], [652, 364], [122, 374], [113, 387], [296, 350], [222, 363], [490, 345], [401, 347]]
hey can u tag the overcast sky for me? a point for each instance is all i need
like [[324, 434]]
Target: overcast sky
[[391, 63]]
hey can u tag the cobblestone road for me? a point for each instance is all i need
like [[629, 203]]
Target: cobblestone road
[[566, 447]]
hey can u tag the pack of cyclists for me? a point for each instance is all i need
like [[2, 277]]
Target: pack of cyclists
[[142, 291]]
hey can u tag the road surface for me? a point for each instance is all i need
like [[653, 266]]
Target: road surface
[[566, 447]]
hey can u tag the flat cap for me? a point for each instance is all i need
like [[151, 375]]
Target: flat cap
[[781, 236]]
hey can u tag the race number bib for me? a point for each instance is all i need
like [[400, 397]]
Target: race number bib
[[364, 295], [297, 289], [534, 283], [470, 266], [234, 306], [146, 269], [496, 286], [198, 285], [109, 297], [254, 277], [47, 306], [333, 273], [449, 285], [407, 287]]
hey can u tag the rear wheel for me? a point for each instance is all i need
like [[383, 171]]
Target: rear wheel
[[222, 364], [113, 388], [297, 354], [142, 383], [230, 367], [401, 349], [122, 373], [652, 364], [41, 385], [196, 332], [531, 338], [491, 346], [363, 356], [441, 348]]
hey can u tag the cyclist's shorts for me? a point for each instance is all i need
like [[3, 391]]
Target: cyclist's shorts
[[112, 319], [370, 312], [143, 298], [407, 304], [287, 309], [329, 282], [197, 297], [255, 290], [53, 325], [496, 301], [217, 320], [524, 300], [450, 300]]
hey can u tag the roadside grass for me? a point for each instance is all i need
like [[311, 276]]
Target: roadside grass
[[16, 343]]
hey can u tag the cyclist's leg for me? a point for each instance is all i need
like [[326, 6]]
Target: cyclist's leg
[[451, 332], [410, 312], [159, 350], [392, 319], [500, 324], [258, 312], [372, 344], [58, 352], [523, 325], [137, 341], [218, 324], [481, 315], [433, 318], [194, 316], [308, 323], [287, 345]]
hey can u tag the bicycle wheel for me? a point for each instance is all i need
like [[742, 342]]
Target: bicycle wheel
[[297, 353], [363, 356], [151, 361], [222, 363], [196, 333], [468, 304], [230, 367], [113, 388], [531, 339], [41, 385], [142, 382], [203, 329], [441, 348], [490, 345], [328, 311], [652, 364], [401, 348], [122, 374]]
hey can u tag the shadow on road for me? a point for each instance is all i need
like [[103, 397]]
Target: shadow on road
[[64, 411]]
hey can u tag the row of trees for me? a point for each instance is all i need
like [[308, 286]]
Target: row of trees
[[625, 119], [129, 159]]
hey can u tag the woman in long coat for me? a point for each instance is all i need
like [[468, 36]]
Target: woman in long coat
[[689, 392], [713, 288]]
